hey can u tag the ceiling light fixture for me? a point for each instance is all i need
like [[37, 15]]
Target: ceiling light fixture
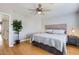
[[39, 10]]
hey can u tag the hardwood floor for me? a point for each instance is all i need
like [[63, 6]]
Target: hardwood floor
[[25, 48], [73, 50]]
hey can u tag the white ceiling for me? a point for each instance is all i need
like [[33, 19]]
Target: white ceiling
[[23, 8]]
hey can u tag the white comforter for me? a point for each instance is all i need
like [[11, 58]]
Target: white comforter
[[55, 40]]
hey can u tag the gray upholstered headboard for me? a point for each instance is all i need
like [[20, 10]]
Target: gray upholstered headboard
[[57, 26]]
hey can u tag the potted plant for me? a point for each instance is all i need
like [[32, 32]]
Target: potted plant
[[17, 27]]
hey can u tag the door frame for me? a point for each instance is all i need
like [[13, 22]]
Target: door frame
[[3, 13]]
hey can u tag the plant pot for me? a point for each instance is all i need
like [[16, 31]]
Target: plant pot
[[17, 42]]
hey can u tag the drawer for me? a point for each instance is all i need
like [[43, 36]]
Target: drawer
[[72, 41]]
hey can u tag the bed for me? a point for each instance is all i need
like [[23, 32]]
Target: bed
[[51, 41]]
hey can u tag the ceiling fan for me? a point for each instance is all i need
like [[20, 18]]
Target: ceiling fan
[[39, 9]]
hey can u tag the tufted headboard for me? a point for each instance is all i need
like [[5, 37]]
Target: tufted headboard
[[57, 26]]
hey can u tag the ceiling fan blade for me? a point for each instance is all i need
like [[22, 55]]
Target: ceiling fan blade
[[33, 12], [31, 9], [46, 10], [39, 9]]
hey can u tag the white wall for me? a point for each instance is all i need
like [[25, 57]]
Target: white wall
[[30, 24], [77, 15], [69, 19]]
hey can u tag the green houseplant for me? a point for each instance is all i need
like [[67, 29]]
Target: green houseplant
[[17, 27]]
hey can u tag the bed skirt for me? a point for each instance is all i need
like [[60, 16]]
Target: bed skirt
[[47, 48]]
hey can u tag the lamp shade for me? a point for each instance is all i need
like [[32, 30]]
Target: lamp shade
[[73, 30]]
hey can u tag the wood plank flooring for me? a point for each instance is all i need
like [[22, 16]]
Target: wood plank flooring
[[25, 48]]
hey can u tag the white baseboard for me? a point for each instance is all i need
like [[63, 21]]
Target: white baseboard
[[11, 45]]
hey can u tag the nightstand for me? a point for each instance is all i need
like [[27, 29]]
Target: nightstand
[[74, 40]]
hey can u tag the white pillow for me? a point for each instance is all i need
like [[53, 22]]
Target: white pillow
[[58, 31], [49, 30]]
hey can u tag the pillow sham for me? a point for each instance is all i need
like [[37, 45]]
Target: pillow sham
[[49, 30], [59, 31]]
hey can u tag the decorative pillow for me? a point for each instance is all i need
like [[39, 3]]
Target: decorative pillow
[[58, 31], [49, 31]]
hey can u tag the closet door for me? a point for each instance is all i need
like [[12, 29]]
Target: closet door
[[0, 34], [0, 28], [5, 27]]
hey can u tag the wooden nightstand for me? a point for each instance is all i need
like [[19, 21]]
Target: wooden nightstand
[[74, 40]]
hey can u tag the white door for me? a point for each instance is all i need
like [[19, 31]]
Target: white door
[[5, 27], [0, 34]]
